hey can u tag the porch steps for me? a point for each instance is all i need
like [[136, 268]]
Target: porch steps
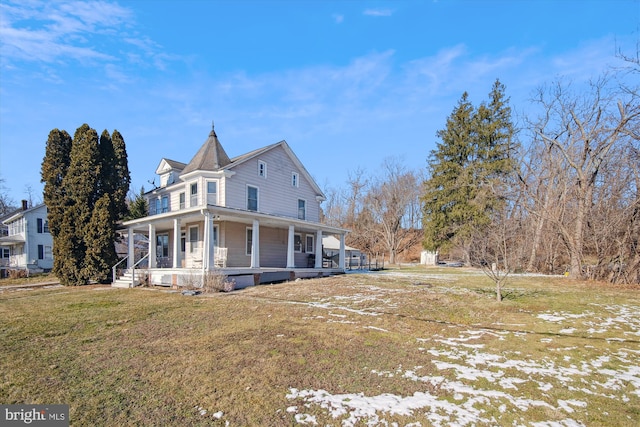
[[124, 281]]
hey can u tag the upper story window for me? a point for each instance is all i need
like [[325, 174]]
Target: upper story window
[[262, 169], [42, 225], [212, 192], [158, 206], [16, 227], [294, 179], [182, 200], [165, 204], [193, 201], [252, 198], [302, 209]]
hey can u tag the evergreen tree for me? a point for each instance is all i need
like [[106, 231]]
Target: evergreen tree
[[467, 171], [138, 207], [100, 236], [86, 182], [54, 168], [115, 178], [82, 186]]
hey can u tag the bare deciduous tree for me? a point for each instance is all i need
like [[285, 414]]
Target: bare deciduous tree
[[581, 134]]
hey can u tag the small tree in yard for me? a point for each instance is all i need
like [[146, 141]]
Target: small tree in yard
[[493, 250]]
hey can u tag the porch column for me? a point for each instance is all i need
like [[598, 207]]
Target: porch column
[[318, 249], [211, 250], [152, 246], [255, 244], [176, 243], [291, 262], [130, 248], [342, 253]]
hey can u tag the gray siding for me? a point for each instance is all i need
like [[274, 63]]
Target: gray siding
[[276, 195]]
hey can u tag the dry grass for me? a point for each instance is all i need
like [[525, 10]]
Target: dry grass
[[151, 357]]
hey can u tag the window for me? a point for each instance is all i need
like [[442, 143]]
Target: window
[[47, 252], [46, 225], [194, 195], [162, 245], [193, 239], [252, 198], [310, 248], [302, 209], [249, 240], [183, 240], [182, 199], [297, 243], [40, 226], [165, 204], [4, 256], [152, 207], [212, 192], [40, 251], [294, 179], [262, 169]]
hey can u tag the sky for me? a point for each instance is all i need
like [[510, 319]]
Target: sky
[[348, 84]]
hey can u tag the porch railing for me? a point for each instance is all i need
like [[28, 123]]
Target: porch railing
[[133, 270], [115, 268]]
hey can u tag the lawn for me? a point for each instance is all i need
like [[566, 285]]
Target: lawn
[[412, 347]]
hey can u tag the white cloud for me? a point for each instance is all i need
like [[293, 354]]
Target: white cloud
[[63, 32], [378, 12], [338, 18]]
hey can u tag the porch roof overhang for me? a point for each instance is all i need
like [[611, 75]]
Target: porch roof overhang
[[221, 213], [11, 240]]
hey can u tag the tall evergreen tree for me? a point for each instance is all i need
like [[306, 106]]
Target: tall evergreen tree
[[86, 182], [82, 186], [100, 236], [466, 171], [54, 168]]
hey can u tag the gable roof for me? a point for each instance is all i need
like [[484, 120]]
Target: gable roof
[[167, 165], [210, 157], [19, 213], [252, 154]]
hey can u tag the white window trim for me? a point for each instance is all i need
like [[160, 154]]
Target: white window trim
[[217, 190], [295, 179], [248, 244], [257, 197], [197, 195], [305, 209], [313, 245], [262, 169], [191, 227], [302, 243]]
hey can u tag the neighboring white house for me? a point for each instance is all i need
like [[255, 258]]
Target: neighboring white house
[[254, 216], [354, 258], [28, 242]]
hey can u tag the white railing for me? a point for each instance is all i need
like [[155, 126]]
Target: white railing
[[133, 270], [115, 268]]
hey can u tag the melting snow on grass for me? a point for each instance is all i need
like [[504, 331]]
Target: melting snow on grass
[[473, 378]]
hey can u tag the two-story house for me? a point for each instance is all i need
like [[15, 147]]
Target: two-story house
[[254, 217], [28, 244]]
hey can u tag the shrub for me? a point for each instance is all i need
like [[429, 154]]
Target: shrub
[[217, 282]]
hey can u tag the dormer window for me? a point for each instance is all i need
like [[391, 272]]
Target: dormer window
[[262, 169]]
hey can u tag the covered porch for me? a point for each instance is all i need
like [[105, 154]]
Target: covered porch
[[250, 248]]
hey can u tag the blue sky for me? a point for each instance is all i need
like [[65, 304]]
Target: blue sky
[[345, 83]]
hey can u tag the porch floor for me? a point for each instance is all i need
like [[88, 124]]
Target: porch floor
[[242, 276]]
